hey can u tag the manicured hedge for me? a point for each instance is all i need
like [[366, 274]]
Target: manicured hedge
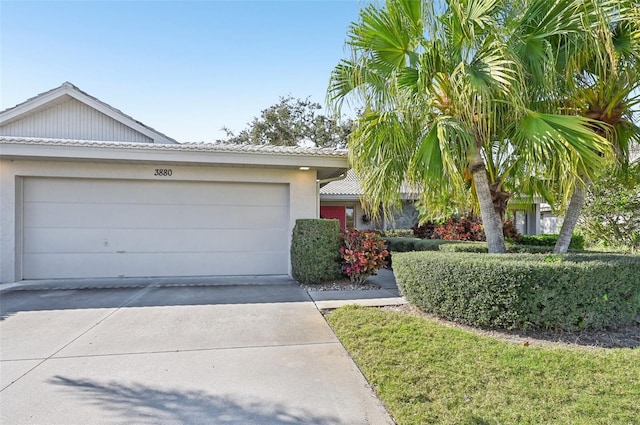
[[477, 247], [315, 250], [577, 240], [481, 247], [413, 244], [521, 291]]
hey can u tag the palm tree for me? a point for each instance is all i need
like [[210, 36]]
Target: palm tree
[[447, 87], [603, 84]]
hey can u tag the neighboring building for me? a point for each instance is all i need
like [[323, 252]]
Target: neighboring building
[[87, 192], [340, 199], [550, 223]]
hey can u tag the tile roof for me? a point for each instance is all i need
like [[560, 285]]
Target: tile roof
[[350, 185], [183, 147]]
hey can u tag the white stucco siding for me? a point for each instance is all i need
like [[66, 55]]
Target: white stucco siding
[[202, 220], [72, 119]]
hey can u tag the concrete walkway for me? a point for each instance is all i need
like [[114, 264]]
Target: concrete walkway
[[388, 294], [194, 351]]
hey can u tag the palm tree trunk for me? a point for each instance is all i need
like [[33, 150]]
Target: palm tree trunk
[[570, 219], [490, 220]]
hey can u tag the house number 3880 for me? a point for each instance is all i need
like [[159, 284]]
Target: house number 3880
[[163, 172]]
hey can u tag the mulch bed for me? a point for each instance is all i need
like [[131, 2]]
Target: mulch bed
[[624, 337], [339, 285]]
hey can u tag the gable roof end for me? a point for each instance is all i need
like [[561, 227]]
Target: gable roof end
[[51, 97]]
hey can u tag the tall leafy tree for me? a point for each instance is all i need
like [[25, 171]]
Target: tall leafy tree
[[611, 214], [602, 82], [293, 122], [459, 99]]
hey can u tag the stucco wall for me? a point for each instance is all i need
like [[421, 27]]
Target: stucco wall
[[302, 190]]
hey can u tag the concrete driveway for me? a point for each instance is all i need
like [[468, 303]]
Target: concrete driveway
[[183, 353]]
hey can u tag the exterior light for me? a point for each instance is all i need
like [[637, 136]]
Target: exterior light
[[305, 168]]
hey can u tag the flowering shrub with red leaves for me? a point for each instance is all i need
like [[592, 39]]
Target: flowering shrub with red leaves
[[424, 230], [363, 253], [464, 229], [510, 231], [461, 229]]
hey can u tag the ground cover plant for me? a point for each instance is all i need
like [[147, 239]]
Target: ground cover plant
[[428, 373]]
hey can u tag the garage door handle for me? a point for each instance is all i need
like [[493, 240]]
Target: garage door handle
[[121, 252]]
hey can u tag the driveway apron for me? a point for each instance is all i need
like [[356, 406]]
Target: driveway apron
[[176, 354]]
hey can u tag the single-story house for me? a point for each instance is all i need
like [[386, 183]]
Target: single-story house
[[341, 199], [87, 191]]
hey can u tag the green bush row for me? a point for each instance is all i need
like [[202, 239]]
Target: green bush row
[[396, 244], [577, 240], [481, 247], [315, 250], [523, 291], [414, 244]]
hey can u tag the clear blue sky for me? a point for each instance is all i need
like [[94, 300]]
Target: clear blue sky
[[184, 68]]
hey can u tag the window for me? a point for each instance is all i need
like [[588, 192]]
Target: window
[[350, 217]]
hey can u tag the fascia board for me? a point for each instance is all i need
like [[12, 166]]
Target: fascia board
[[31, 105], [338, 198]]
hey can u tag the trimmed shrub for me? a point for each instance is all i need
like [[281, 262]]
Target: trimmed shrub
[[480, 247], [476, 247], [521, 291], [412, 244], [363, 253], [315, 247], [577, 240], [529, 249]]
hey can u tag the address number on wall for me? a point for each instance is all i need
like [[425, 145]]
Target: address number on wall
[[163, 172]]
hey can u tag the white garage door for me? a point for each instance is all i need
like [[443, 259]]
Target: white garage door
[[108, 228]]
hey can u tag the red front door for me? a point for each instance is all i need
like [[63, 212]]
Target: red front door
[[338, 213]]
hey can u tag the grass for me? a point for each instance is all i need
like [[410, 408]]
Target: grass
[[429, 373]]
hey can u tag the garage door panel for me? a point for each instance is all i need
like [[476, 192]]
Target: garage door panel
[[154, 192], [106, 228], [81, 215], [43, 240], [55, 266]]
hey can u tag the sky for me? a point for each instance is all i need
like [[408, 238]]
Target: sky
[[185, 68]]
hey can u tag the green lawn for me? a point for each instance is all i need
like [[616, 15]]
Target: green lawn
[[429, 373]]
